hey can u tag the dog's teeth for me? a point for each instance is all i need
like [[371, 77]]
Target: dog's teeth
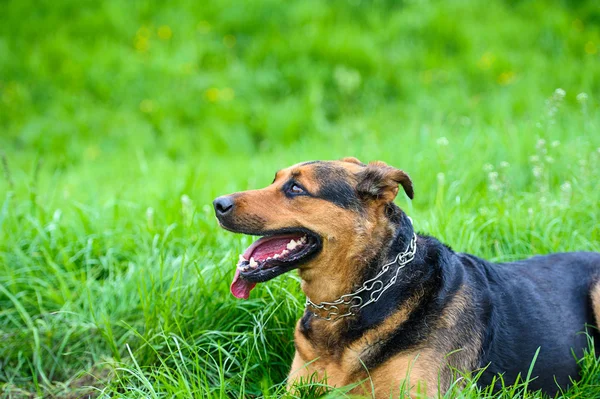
[[242, 259], [275, 256], [253, 263], [303, 239], [292, 244], [285, 252]]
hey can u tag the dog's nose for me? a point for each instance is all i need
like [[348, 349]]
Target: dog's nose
[[223, 205]]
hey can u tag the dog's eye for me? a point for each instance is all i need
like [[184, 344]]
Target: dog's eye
[[296, 189], [292, 189]]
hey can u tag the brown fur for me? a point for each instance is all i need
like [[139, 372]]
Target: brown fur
[[345, 241], [421, 372], [348, 205], [595, 296], [380, 182], [351, 238]]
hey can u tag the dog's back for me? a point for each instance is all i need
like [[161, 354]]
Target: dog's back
[[543, 302]]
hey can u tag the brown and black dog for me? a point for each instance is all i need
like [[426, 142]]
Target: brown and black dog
[[389, 307]]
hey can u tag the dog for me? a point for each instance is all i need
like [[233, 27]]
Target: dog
[[386, 307]]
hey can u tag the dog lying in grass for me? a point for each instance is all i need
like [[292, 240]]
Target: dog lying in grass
[[390, 307]]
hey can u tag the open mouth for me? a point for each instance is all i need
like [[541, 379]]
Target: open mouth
[[272, 255]]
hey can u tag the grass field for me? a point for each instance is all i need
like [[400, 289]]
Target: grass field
[[121, 121]]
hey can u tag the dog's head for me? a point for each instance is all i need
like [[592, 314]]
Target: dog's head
[[315, 215]]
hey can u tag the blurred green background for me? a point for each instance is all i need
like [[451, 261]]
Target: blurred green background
[[120, 121]]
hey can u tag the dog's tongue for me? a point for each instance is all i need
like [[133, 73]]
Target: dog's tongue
[[260, 250], [241, 288], [266, 247]]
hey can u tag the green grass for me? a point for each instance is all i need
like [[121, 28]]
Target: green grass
[[121, 121]]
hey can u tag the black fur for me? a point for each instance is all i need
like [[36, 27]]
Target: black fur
[[513, 308], [372, 182], [542, 302], [312, 163], [375, 179], [334, 186]]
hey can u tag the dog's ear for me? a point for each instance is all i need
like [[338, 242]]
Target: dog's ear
[[380, 181], [352, 160]]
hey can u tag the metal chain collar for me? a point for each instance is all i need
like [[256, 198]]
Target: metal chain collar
[[375, 286]]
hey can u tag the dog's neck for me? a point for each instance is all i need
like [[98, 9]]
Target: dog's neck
[[404, 231], [417, 288], [334, 282]]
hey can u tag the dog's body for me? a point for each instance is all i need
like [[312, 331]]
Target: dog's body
[[439, 313], [470, 314]]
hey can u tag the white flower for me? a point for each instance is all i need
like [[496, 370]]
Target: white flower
[[442, 141], [185, 200], [441, 177], [560, 93], [541, 143], [534, 158], [56, 216], [347, 79], [582, 97], [555, 143], [488, 167], [565, 187], [549, 159], [504, 164], [150, 215], [537, 171]]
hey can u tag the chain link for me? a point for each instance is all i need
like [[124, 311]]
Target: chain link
[[375, 286]]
